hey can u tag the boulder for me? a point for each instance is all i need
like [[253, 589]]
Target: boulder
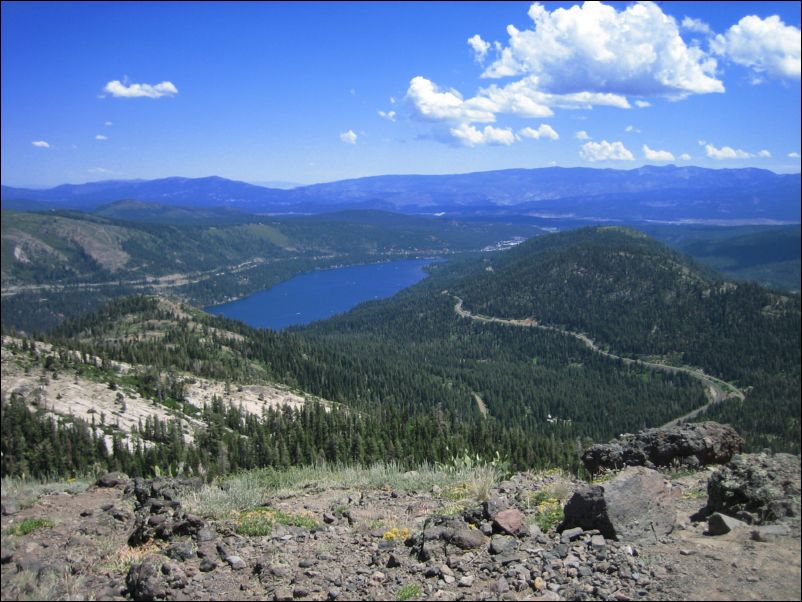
[[509, 521], [721, 524], [688, 444], [113, 479], [153, 578], [636, 506], [759, 488]]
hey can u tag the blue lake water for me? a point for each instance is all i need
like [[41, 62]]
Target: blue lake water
[[321, 294]]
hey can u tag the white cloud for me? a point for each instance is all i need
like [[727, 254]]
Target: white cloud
[[118, 89], [108, 124], [684, 157], [349, 137], [480, 47], [793, 155], [765, 154], [582, 135], [100, 170], [388, 115], [726, 152], [101, 137], [605, 151], [642, 104], [657, 155], [594, 48], [767, 46], [41, 144], [468, 135], [431, 103], [544, 131], [352, 92], [696, 26], [392, 100], [632, 129]]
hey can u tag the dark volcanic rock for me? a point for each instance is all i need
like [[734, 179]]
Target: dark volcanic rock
[[690, 444], [153, 578], [113, 479], [636, 506], [764, 488]]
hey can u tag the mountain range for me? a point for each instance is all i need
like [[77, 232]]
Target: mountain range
[[663, 194]]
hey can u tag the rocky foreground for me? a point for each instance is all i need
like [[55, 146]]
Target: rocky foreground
[[719, 532]]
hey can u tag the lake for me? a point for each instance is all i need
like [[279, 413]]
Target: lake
[[323, 293]]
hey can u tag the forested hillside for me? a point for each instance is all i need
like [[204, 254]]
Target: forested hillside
[[626, 291], [57, 265]]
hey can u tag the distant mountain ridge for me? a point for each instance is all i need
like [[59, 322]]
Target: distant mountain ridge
[[649, 193]]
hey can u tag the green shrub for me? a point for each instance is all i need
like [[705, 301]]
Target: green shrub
[[29, 525]]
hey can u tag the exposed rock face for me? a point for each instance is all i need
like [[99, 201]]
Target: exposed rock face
[[153, 578], [636, 506], [690, 444], [757, 488], [158, 513]]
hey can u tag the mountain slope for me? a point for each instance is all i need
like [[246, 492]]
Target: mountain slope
[[657, 193]]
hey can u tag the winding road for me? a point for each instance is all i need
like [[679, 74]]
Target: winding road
[[717, 390]]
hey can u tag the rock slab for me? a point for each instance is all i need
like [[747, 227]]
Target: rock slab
[[636, 506], [691, 444]]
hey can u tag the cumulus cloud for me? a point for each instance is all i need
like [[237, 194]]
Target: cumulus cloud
[[765, 154], [120, 90], [605, 151], [793, 155], [480, 47], [349, 137], [388, 115], [657, 155], [684, 157], [101, 137], [631, 129], [41, 144], [582, 135], [766, 46], [581, 57], [696, 26], [726, 152], [468, 135], [597, 49], [544, 131], [432, 103]]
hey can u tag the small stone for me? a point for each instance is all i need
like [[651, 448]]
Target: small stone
[[597, 542], [307, 563], [207, 564], [378, 577], [500, 544], [468, 539], [329, 518], [449, 579], [500, 586], [466, 581], [206, 535], [299, 591], [283, 593], [539, 584], [236, 562], [571, 534], [393, 561]]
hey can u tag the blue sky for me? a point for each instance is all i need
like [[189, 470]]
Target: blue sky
[[293, 91]]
